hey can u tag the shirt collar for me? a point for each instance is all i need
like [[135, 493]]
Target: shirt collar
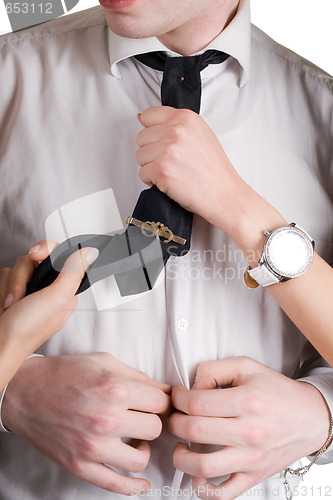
[[234, 40]]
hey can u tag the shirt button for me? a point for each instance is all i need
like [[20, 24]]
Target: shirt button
[[182, 324]]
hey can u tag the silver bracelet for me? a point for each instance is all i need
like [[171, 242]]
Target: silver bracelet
[[301, 471]]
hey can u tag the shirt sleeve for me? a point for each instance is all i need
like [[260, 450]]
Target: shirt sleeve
[[2, 395], [317, 372]]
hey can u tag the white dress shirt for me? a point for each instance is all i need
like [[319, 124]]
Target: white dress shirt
[[70, 92]]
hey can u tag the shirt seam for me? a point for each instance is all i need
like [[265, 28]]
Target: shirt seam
[[331, 124], [47, 34], [326, 79]]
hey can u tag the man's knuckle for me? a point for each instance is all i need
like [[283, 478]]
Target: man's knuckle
[[139, 463], [246, 366], [171, 154], [162, 176], [255, 434], [160, 168], [144, 376], [138, 156], [104, 357], [195, 405], [4, 271], [117, 390], [173, 423], [113, 485], [87, 420], [203, 370], [90, 450], [111, 425], [193, 429], [139, 138], [142, 174], [175, 133], [107, 425], [205, 467], [186, 116], [254, 403], [244, 361], [74, 465]]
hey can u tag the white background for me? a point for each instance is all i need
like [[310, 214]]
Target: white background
[[305, 26]]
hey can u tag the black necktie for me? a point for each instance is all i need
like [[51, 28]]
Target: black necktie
[[159, 226]]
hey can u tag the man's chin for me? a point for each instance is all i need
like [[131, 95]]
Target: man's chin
[[117, 5], [126, 27]]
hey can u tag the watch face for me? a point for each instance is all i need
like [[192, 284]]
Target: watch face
[[289, 252]]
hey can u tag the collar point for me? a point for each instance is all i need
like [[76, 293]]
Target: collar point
[[115, 71], [244, 78]]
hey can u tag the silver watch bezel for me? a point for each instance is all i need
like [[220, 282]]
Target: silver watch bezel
[[266, 260]]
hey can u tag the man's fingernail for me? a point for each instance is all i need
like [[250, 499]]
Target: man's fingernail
[[34, 249], [9, 300], [90, 255], [139, 116]]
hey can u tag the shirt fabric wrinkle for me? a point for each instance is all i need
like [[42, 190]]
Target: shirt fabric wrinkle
[[78, 156]]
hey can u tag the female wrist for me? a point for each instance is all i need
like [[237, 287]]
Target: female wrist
[[246, 221]]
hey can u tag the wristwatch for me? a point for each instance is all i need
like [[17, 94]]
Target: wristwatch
[[287, 254]]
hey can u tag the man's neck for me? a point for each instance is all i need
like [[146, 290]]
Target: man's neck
[[198, 33]]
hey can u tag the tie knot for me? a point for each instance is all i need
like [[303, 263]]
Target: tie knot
[[188, 68], [160, 60], [181, 85], [183, 69], [212, 56]]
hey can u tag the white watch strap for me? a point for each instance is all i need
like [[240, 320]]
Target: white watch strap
[[263, 276]]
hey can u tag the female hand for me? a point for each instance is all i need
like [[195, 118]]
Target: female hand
[[27, 322]]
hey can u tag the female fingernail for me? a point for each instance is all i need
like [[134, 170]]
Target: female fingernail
[[9, 300], [34, 249], [139, 116], [90, 255]]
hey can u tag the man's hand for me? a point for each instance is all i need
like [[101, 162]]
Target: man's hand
[[263, 421], [182, 156], [75, 409]]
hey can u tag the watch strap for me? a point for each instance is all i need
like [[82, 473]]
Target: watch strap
[[263, 276]]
